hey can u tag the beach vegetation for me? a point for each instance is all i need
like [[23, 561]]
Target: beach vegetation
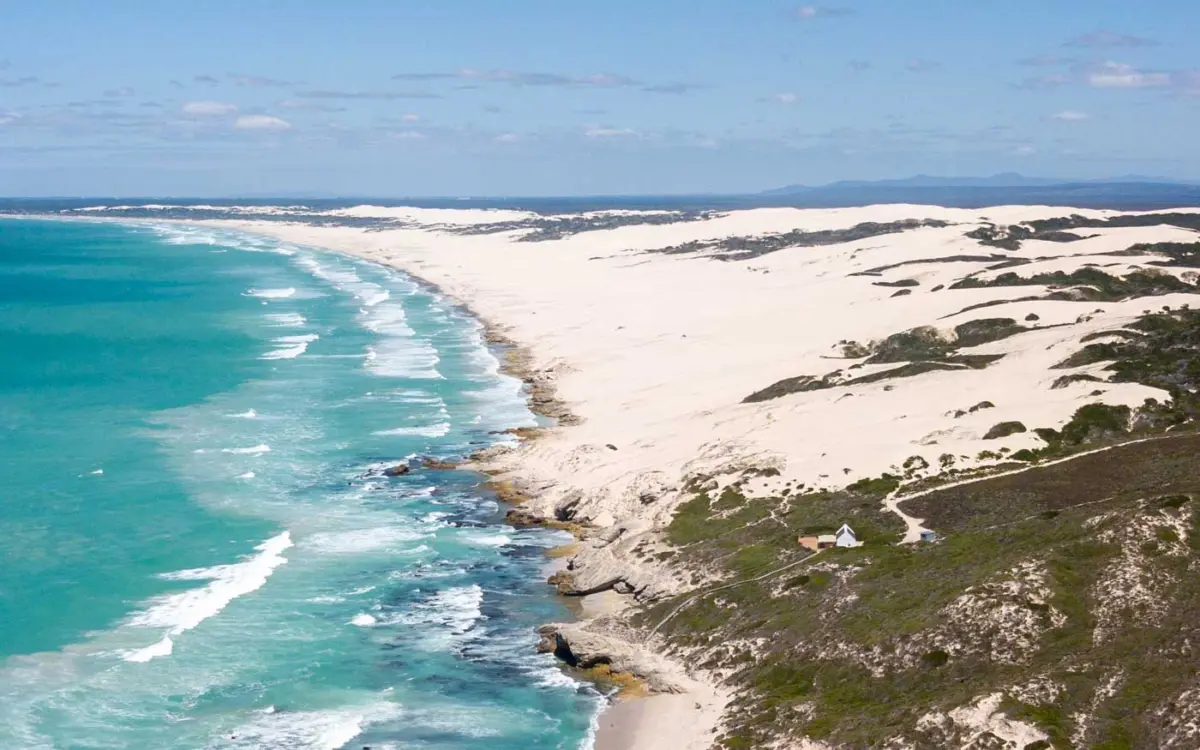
[[1003, 430], [1087, 284], [749, 247]]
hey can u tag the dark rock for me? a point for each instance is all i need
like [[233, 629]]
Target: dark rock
[[564, 582], [438, 464], [397, 471], [611, 447], [522, 519], [647, 497], [565, 511]]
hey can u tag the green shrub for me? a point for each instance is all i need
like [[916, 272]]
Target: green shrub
[[1003, 430]]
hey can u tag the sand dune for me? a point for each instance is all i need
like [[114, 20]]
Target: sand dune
[[655, 353]]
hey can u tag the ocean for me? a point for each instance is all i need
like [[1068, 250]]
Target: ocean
[[197, 549]]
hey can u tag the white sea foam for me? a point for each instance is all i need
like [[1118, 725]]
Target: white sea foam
[[326, 599], [434, 430], [589, 739], [287, 320], [178, 234], [356, 541], [272, 293], [363, 620], [248, 414], [346, 279], [403, 358], [486, 540], [291, 346], [256, 450], [97, 472], [387, 319], [247, 475], [309, 730], [374, 299], [182, 611], [445, 618], [153, 651], [423, 399]]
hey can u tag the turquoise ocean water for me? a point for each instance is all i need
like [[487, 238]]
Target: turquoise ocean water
[[194, 551]]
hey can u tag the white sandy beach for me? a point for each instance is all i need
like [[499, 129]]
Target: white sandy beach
[[655, 354]]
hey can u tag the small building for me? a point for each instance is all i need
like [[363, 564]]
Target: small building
[[825, 541], [845, 537], [928, 536], [808, 542]]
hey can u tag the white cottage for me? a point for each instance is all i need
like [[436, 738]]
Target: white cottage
[[845, 537]]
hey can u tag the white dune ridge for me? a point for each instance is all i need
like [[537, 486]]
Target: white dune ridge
[[180, 612], [640, 349]]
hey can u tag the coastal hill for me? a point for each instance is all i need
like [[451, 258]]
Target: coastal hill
[[1000, 402]]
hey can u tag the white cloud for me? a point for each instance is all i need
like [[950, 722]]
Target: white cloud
[[918, 65], [411, 118], [1115, 75], [1109, 39], [786, 98], [807, 12], [507, 138], [209, 109], [610, 132], [408, 135], [7, 119], [1025, 151], [1070, 115], [1046, 81], [261, 122]]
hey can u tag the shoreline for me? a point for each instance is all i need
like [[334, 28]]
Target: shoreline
[[699, 369], [629, 719]]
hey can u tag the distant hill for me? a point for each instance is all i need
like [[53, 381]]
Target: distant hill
[[1131, 192], [1002, 180]]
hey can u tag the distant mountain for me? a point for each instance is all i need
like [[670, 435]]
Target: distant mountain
[[1003, 180]]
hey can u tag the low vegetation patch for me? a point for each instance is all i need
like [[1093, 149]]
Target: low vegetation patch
[[1088, 284], [924, 349], [746, 248], [1003, 430]]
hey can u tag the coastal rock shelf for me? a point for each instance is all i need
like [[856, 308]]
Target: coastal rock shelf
[[999, 402]]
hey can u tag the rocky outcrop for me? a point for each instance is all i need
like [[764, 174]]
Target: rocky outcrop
[[521, 518], [579, 645]]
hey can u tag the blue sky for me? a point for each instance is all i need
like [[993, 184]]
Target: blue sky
[[542, 97]]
